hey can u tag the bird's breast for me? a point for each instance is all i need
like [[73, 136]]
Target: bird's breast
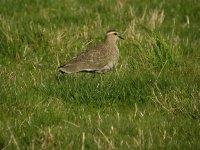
[[117, 50]]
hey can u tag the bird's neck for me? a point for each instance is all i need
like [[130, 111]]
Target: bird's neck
[[110, 42], [112, 46]]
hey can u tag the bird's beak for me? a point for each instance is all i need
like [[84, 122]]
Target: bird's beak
[[121, 37]]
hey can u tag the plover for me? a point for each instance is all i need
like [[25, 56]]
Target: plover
[[97, 59]]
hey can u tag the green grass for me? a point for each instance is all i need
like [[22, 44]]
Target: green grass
[[151, 100]]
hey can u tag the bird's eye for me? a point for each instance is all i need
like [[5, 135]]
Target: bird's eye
[[115, 33]]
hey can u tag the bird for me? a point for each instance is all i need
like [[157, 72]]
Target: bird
[[98, 59]]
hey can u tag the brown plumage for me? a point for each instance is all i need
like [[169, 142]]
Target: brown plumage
[[99, 58]]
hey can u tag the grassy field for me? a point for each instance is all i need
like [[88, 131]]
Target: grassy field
[[151, 100]]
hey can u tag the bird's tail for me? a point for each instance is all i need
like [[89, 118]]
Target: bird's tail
[[68, 69], [60, 68]]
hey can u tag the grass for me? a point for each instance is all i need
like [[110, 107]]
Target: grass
[[151, 100]]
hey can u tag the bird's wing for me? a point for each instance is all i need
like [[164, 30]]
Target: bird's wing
[[95, 57]]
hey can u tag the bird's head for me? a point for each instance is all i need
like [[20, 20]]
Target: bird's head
[[112, 35]]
